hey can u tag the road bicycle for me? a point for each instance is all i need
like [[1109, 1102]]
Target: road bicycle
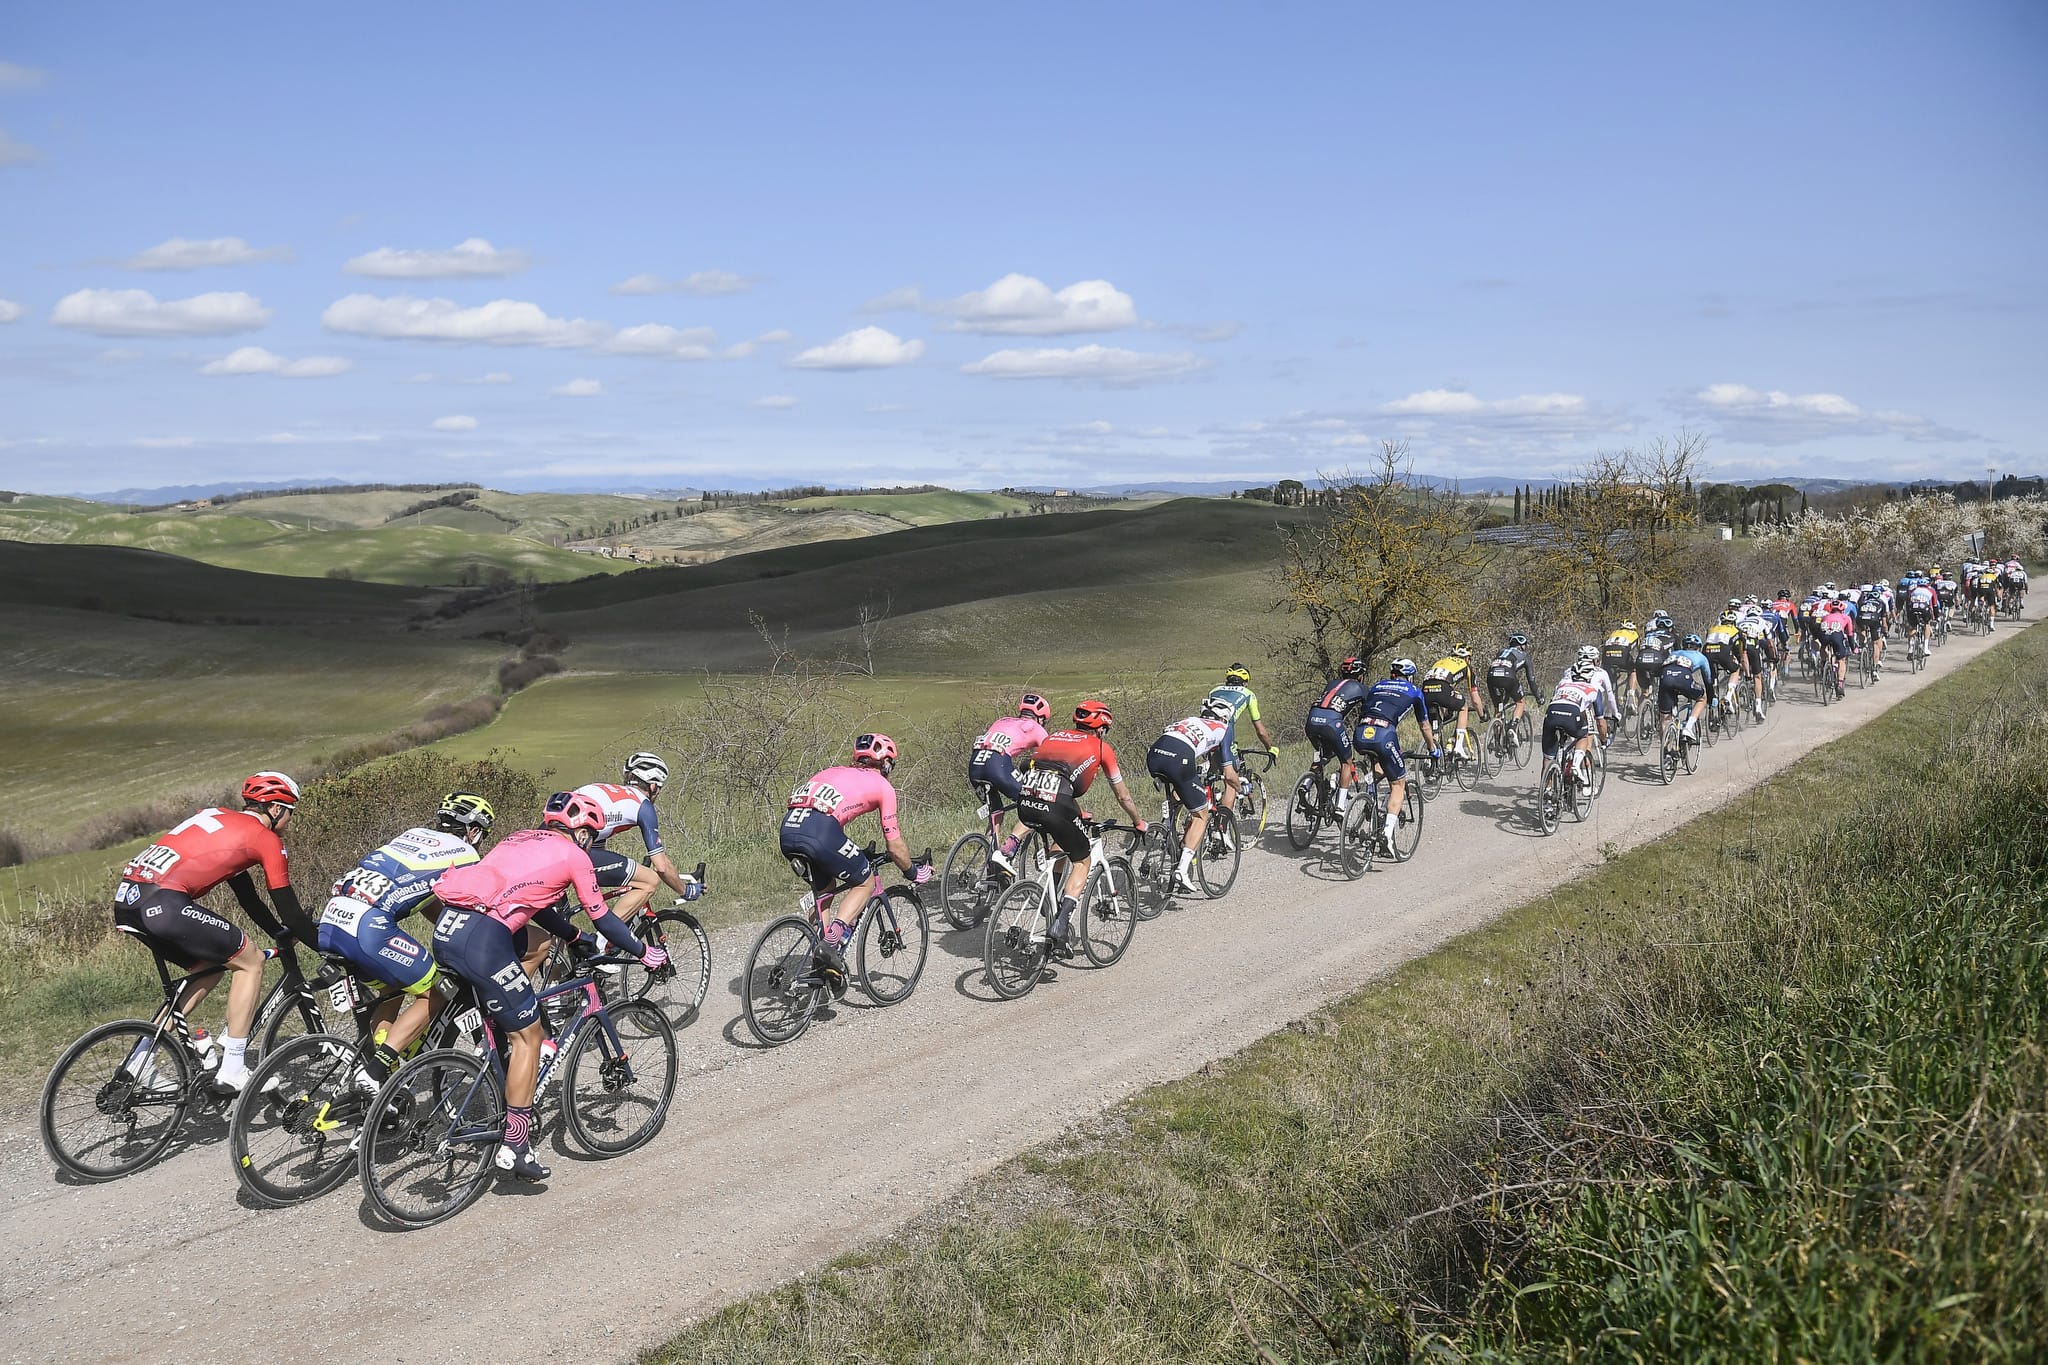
[[1312, 806], [1019, 943], [1462, 770], [1251, 796], [293, 1132], [431, 1135], [1365, 820], [1677, 751], [1562, 789], [118, 1096], [969, 883], [1866, 661], [1641, 728], [1509, 738], [786, 983], [1217, 855]]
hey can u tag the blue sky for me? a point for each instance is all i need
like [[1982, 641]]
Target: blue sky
[[667, 244]]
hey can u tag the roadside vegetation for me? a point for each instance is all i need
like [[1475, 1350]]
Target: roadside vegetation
[[1772, 1087]]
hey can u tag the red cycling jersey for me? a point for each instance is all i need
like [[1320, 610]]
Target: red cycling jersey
[[206, 850], [1081, 754]]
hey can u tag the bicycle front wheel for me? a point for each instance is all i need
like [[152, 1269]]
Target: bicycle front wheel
[[964, 883], [430, 1137], [293, 1130], [890, 947], [115, 1099], [1408, 830], [1220, 852], [782, 988], [1109, 914], [1015, 950], [1304, 813], [279, 1020], [1157, 858], [615, 1094], [677, 990]]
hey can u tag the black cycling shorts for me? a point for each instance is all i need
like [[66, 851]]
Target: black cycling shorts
[[1173, 762], [613, 869], [175, 925], [1563, 720], [1506, 687]]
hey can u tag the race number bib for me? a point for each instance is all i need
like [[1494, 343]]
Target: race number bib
[[1043, 784], [152, 863]]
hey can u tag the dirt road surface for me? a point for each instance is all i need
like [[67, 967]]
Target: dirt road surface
[[916, 1100]]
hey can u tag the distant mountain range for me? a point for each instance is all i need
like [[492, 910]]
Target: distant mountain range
[[192, 492]]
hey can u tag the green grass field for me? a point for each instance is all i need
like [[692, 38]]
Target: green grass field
[[920, 509]]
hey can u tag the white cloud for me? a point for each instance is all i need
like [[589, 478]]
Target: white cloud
[[165, 442], [740, 350], [661, 341], [468, 259], [1091, 364], [1019, 305], [775, 338], [880, 409], [457, 423], [578, 388], [256, 360], [865, 348], [775, 400], [703, 284], [1458, 403], [494, 377], [10, 311], [1775, 417], [501, 322], [183, 253], [15, 77], [137, 313], [14, 152]]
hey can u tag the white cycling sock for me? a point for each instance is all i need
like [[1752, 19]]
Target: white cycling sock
[[1187, 861]]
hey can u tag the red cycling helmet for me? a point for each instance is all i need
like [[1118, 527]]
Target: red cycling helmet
[[1031, 704], [877, 751], [571, 811], [266, 788], [1092, 715]]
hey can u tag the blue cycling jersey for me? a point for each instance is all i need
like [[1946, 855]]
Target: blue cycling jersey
[[1341, 695], [1694, 660], [400, 875], [1392, 698]]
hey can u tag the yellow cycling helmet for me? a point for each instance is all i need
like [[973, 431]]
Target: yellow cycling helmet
[[1238, 676]]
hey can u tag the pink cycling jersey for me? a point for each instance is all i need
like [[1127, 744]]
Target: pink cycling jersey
[[527, 871], [1012, 735], [846, 794], [1838, 620]]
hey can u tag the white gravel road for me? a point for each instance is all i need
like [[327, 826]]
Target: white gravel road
[[918, 1100]]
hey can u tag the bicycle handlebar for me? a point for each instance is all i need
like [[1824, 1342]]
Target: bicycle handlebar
[[1271, 756]]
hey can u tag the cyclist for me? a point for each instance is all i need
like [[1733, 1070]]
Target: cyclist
[[1758, 650], [157, 901], [361, 921], [1451, 686], [1728, 652], [1511, 677], [815, 841], [630, 805], [1653, 651], [992, 768], [1922, 602], [482, 934], [1329, 722], [1945, 589], [1607, 708], [1378, 735], [1837, 638], [1987, 593], [2014, 577], [1873, 614], [1573, 703], [1618, 655], [1237, 690], [1182, 758], [1687, 674], [1058, 775]]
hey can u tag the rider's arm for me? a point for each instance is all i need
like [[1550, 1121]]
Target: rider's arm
[[892, 833], [899, 852], [1123, 798], [583, 881]]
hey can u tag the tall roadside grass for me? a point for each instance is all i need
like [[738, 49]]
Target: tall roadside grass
[[1771, 1088], [63, 967]]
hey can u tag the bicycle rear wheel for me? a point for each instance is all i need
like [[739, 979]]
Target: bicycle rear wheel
[[1521, 742], [1217, 857], [964, 884], [782, 990], [1109, 913], [430, 1136], [100, 1120], [292, 1132], [1579, 794], [1408, 830], [1304, 813], [1359, 835], [1015, 951], [1468, 767], [1157, 859], [1667, 756], [677, 990], [615, 1096], [1550, 796], [890, 945]]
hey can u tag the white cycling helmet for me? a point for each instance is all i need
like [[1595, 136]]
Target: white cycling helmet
[[1589, 655], [1217, 708], [1582, 671], [648, 768]]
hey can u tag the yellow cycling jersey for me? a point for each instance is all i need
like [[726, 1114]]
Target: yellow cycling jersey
[[1724, 634], [1450, 668], [1624, 637]]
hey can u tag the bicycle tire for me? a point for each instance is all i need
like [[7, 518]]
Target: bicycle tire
[[1521, 742], [1157, 859], [1109, 912], [103, 1098], [1599, 761], [1015, 948], [1550, 796], [279, 1020], [781, 991], [679, 989], [1408, 830], [1304, 813], [429, 1138], [1358, 836], [290, 1133], [1668, 753], [1580, 795], [1465, 768], [964, 881], [616, 1097], [890, 945], [1218, 855]]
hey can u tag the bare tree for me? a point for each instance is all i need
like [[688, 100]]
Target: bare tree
[[869, 618], [1616, 538]]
